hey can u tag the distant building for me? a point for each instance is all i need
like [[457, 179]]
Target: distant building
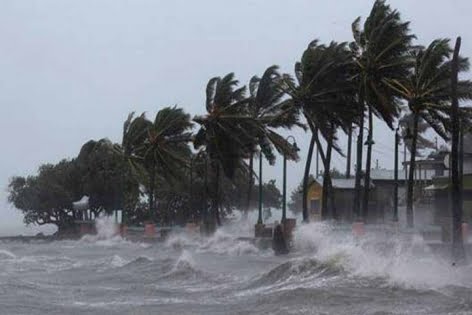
[[343, 190]]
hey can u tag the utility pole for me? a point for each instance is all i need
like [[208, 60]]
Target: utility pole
[[458, 253], [317, 162], [395, 187]]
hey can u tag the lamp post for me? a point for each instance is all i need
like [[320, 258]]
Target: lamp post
[[365, 200], [284, 186]]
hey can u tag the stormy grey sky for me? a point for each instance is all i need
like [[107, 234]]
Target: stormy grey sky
[[71, 71]]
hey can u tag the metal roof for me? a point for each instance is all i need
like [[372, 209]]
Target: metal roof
[[343, 183], [383, 174]]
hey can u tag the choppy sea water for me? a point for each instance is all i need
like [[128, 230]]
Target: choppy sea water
[[329, 272]]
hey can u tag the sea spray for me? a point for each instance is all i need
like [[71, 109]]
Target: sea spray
[[107, 232], [399, 259]]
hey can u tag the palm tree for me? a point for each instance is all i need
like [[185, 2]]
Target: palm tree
[[134, 135], [406, 125], [456, 191], [325, 97], [380, 51], [164, 151], [266, 104], [226, 131], [427, 89]]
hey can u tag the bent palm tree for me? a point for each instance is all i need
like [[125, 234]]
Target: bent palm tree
[[380, 51], [164, 150], [427, 90], [225, 131], [266, 105], [134, 135], [325, 96]]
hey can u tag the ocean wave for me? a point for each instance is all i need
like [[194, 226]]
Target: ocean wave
[[5, 254], [400, 259], [297, 271]]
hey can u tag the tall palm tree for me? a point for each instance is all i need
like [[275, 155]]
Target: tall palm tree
[[458, 252], [324, 95], [225, 130], [266, 104], [380, 51], [164, 151], [427, 90]]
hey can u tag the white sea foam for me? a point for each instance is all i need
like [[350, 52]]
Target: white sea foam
[[108, 234], [400, 259], [118, 261], [5, 254], [185, 261]]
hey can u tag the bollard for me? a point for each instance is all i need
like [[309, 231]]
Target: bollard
[[149, 230], [192, 228], [123, 230], [84, 229], [358, 229]]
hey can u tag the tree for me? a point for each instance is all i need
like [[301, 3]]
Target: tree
[[164, 151], [456, 204], [381, 54], [427, 89], [135, 131], [272, 196], [405, 124], [266, 104], [101, 176], [227, 133], [47, 198], [325, 97], [295, 204]]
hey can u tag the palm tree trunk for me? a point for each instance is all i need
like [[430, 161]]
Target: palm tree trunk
[[216, 202], [326, 181], [458, 252], [365, 200], [411, 174], [250, 185], [152, 188], [360, 136], [349, 146], [305, 178]]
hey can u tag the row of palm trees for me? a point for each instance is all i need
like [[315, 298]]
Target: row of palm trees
[[334, 89]]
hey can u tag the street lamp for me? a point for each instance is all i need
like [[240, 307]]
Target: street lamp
[[284, 205], [369, 140]]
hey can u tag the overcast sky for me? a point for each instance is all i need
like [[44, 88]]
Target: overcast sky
[[71, 71]]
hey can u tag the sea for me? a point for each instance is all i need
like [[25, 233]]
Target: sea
[[329, 271]]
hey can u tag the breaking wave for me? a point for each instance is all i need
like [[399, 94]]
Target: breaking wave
[[5, 254], [399, 259]]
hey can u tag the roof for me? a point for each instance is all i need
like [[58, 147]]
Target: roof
[[436, 187], [383, 174], [342, 183]]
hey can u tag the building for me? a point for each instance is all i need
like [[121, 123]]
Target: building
[[343, 190]]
